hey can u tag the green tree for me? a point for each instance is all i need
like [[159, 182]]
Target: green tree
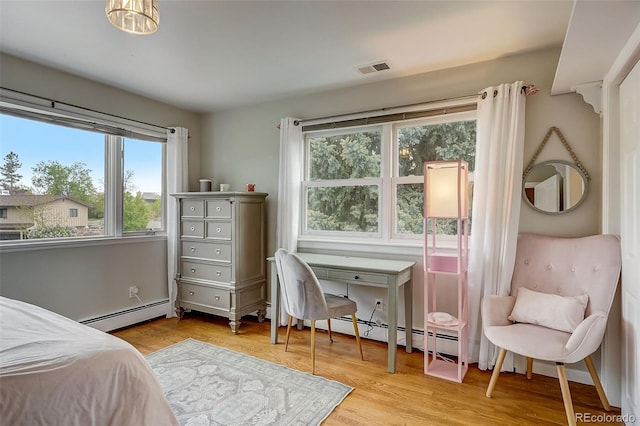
[[53, 178], [9, 176], [136, 214]]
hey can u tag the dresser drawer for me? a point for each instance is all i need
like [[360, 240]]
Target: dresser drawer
[[203, 295], [211, 251], [192, 228], [192, 208], [219, 209], [356, 276], [203, 271], [219, 230]]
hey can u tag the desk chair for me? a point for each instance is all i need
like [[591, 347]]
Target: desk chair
[[302, 298]]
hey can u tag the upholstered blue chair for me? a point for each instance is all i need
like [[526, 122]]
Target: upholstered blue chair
[[303, 298]]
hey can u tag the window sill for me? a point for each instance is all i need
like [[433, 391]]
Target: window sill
[[10, 247]]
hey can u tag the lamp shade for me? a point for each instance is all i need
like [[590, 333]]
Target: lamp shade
[[446, 184], [134, 16]]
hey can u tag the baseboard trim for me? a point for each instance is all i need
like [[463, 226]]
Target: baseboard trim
[[128, 317]]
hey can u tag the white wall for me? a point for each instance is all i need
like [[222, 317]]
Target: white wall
[[83, 282], [241, 145]]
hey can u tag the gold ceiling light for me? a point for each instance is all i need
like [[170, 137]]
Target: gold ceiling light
[[134, 16]]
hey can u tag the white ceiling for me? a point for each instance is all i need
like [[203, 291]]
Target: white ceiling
[[214, 55]]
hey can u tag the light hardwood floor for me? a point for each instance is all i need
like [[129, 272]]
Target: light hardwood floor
[[407, 397]]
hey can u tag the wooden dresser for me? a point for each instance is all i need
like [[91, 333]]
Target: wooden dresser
[[221, 254]]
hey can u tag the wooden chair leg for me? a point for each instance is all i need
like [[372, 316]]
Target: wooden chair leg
[[313, 346], [566, 394], [496, 372], [529, 368], [286, 341], [596, 382], [357, 332], [329, 328]]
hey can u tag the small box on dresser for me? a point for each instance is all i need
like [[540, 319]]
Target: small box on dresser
[[221, 254]]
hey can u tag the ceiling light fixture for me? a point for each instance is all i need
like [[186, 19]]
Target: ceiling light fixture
[[134, 16]]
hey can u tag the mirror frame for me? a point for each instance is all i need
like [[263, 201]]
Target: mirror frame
[[585, 181]]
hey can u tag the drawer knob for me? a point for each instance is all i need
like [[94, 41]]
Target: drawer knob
[[218, 229], [218, 208], [193, 249], [193, 208], [218, 273], [357, 277], [191, 293], [193, 270], [217, 298], [218, 251], [193, 228]]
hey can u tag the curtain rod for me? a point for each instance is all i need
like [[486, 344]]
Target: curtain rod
[[529, 89], [53, 103]]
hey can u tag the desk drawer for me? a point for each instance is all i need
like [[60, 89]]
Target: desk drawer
[[356, 276]]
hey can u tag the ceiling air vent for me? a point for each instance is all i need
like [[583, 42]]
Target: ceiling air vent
[[377, 67]]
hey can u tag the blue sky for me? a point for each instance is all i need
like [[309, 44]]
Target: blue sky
[[35, 141]]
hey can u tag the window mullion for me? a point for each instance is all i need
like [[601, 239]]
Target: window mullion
[[113, 186]]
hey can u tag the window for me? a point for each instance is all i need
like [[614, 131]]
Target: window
[[3, 213], [367, 182], [63, 181]]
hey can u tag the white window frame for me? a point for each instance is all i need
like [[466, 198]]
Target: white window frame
[[387, 214], [113, 162]]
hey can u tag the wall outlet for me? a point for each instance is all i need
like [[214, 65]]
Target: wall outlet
[[379, 305], [133, 292]]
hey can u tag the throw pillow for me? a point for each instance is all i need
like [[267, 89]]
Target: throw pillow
[[562, 313]]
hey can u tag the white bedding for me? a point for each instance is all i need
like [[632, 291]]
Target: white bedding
[[55, 371]]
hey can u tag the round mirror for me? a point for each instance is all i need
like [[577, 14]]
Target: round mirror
[[554, 187]]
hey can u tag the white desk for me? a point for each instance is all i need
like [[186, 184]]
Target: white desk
[[389, 274]]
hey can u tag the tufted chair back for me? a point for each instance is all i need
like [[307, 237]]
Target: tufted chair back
[[569, 267]]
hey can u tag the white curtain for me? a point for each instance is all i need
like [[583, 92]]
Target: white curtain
[[289, 188], [496, 206], [289, 183], [177, 180]]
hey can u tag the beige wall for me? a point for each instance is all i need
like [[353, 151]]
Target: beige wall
[[86, 281]]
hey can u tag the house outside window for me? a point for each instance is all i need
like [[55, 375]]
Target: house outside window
[[3, 213], [66, 182], [366, 183]]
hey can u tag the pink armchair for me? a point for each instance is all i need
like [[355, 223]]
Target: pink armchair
[[564, 289]]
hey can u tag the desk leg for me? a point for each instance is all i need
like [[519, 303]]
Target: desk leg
[[408, 314], [392, 296], [275, 304]]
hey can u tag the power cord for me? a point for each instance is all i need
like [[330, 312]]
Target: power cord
[[370, 322]]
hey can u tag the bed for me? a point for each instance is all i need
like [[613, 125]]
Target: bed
[[55, 371]]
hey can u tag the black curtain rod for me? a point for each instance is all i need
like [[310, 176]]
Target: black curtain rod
[[526, 89], [53, 103]]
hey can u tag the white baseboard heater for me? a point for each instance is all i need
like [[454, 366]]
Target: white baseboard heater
[[129, 317]]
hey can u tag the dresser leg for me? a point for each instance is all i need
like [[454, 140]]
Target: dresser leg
[[235, 325], [262, 313]]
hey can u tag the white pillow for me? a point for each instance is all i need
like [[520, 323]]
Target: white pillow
[[562, 313]]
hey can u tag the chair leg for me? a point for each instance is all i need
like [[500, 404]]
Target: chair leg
[[357, 332], [529, 368], [566, 394], [286, 341], [313, 346], [496, 372], [596, 382], [329, 328]]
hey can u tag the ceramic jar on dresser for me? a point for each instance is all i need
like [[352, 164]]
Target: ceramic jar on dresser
[[221, 254]]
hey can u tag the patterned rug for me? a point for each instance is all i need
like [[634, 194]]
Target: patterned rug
[[209, 385]]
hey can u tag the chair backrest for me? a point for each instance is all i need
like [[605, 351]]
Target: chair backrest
[[302, 295], [569, 267]]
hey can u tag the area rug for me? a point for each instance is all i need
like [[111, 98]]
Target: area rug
[[209, 385]]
